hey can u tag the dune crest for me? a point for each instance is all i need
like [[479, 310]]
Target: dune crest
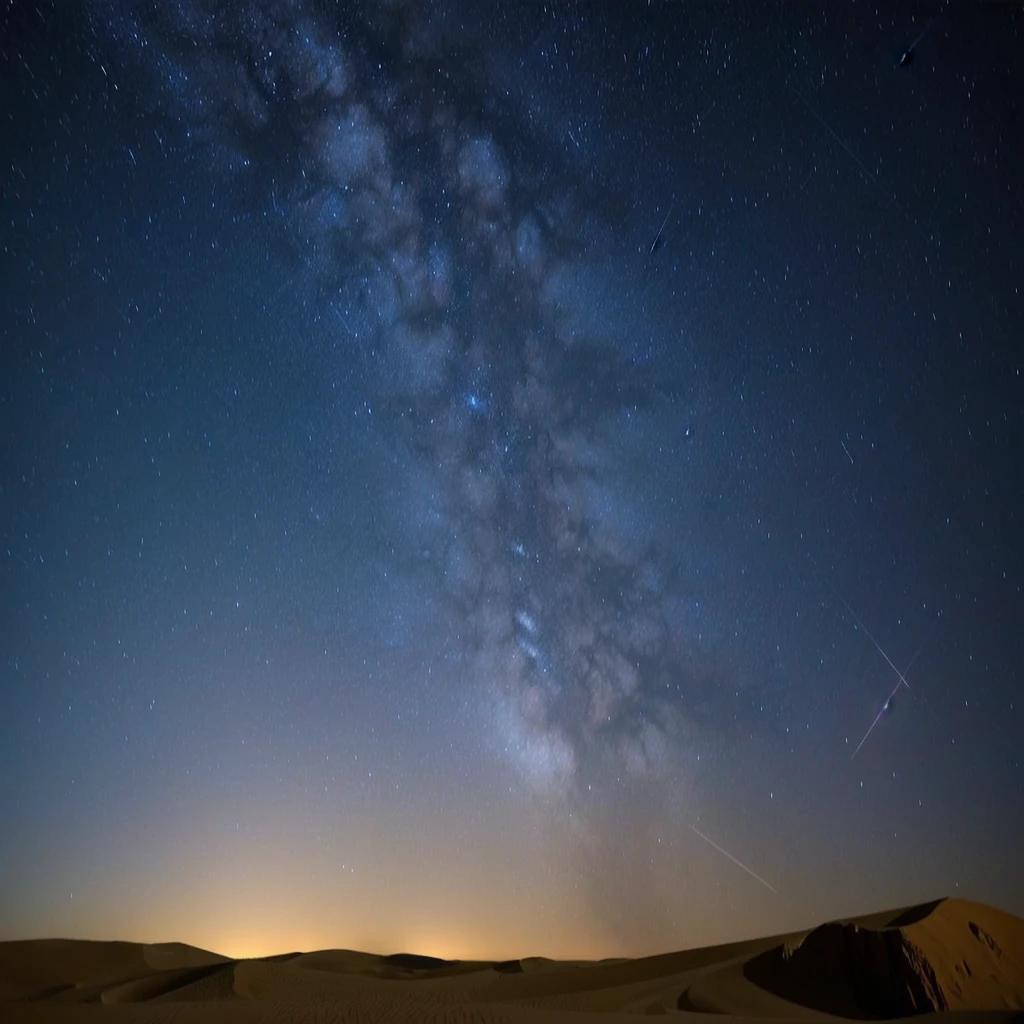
[[946, 958]]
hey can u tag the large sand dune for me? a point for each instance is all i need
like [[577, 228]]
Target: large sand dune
[[962, 960]]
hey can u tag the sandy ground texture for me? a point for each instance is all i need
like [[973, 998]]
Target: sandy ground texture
[[960, 959]]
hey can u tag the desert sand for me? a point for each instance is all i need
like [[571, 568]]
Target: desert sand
[[952, 957]]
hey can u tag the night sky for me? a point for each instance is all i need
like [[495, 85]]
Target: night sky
[[473, 475]]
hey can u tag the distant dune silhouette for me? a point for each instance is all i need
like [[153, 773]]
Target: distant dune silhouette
[[945, 956]]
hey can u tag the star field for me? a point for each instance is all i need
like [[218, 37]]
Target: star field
[[510, 481]]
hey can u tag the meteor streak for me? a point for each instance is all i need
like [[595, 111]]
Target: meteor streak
[[873, 640], [901, 675], [888, 701], [874, 723], [739, 864]]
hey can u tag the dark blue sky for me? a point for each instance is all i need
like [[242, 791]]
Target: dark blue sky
[[465, 475]]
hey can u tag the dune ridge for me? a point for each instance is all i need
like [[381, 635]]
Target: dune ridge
[[948, 957]]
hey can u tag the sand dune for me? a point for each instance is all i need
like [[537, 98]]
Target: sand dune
[[955, 956], [962, 960]]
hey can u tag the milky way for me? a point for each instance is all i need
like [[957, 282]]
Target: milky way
[[469, 281]]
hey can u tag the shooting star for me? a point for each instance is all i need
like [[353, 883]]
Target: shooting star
[[659, 237], [835, 135], [888, 700], [901, 675], [873, 724], [907, 55], [878, 646], [739, 864]]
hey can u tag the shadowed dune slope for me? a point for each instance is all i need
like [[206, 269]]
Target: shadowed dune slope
[[40, 968], [955, 956]]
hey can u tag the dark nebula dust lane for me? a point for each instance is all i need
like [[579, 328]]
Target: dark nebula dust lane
[[512, 440], [466, 277]]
